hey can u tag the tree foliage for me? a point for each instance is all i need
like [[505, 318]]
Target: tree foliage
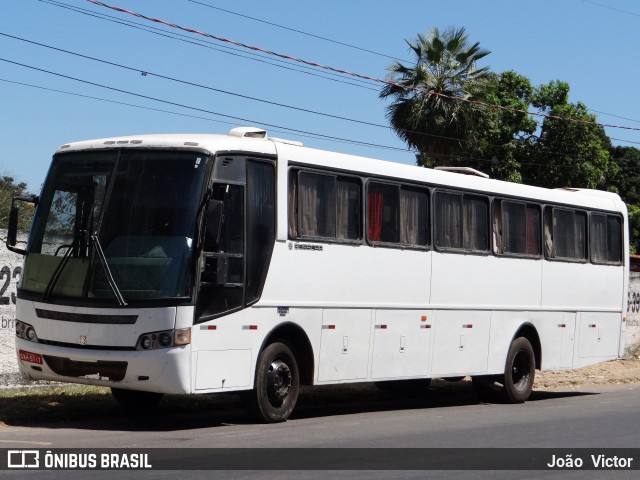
[[9, 189], [422, 112], [456, 113]]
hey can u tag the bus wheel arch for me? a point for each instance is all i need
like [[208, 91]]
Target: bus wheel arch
[[297, 340], [523, 357], [529, 332], [284, 363]]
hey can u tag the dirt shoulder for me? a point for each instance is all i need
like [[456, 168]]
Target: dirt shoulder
[[611, 373]]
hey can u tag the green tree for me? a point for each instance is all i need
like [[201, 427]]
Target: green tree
[[571, 149], [507, 132], [634, 228], [624, 179], [624, 176], [422, 112], [9, 189]]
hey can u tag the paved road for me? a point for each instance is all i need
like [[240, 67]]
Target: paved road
[[597, 417]]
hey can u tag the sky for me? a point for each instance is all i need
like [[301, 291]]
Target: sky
[[155, 79]]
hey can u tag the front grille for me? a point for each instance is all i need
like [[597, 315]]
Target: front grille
[[114, 371], [87, 318], [87, 347]]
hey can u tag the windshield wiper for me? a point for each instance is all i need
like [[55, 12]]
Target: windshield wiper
[[58, 271], [105, 266]]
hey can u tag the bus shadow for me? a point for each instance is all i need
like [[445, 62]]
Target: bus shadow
[[363, 398], [98, 411]]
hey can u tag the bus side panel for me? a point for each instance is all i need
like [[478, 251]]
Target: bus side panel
[[598, 337], [461, 342], [504, 325], [557, 338], [314, 274], [477, 280], [401, 344], [344, 345], [583, 287]]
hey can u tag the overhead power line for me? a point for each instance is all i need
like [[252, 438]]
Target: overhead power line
[[612, 8], [326, 39], [357, 75], [226, 92], [228, 50], [197, 117], [203, 110], [152, 109], [193, 84]]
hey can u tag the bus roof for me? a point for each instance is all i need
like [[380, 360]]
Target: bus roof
[[256, 141]]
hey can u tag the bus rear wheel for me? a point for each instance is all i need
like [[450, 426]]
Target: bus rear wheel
[[136, 399], [520, 371], [277, 385], [517, 382]]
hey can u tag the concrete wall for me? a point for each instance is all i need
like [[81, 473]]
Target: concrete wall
[[10, 270], [632, 344]]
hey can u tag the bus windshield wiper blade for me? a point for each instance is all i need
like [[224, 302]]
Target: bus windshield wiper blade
[[58, 271], [105, 266]]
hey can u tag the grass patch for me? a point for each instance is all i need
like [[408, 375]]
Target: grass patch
[[20, 406], [56, 404]]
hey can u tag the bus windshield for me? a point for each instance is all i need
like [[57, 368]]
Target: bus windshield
[[116, 224]]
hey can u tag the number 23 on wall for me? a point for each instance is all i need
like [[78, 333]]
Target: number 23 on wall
[[5, 282]]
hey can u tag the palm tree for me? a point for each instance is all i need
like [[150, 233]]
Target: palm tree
[[423, 112]]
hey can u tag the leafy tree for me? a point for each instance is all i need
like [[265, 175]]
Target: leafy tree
[[624, 179], [507, 132], [624, 176], [571, 150], [634, 228], [421, 114], [9, 189]]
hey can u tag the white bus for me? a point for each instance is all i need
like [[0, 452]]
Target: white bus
[[187, 264]]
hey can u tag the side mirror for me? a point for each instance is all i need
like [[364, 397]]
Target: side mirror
[[12, 232]]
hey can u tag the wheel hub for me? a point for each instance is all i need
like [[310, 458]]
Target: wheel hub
[[520, 368], [279, 380]]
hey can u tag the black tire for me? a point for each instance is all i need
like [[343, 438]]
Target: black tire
[[277, 385], [519, 371], [413, 387], [517, 382], [136, 399]]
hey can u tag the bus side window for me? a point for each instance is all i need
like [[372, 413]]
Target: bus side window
[[605, 238], [568, 232], [462, 221], [324, 206], [520, 228]]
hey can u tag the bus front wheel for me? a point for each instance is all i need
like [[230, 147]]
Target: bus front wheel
[[277, 385]]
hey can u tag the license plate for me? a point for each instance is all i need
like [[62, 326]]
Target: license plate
[[30, 357]]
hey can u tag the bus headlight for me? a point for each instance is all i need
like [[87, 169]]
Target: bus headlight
[[26, 331], [164, 339]]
